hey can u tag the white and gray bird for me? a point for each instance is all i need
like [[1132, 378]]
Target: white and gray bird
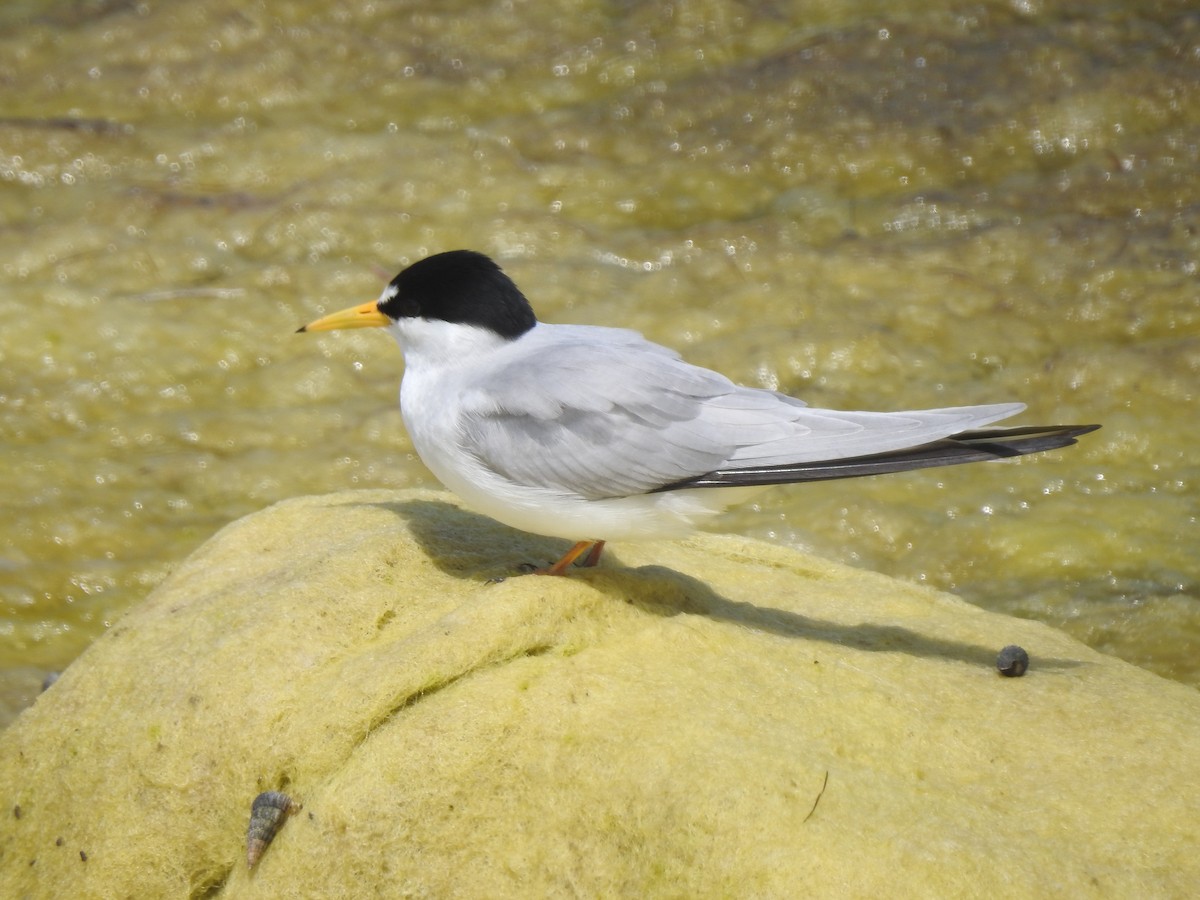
[[596, 434]]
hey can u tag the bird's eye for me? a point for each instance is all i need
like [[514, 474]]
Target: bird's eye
[[399, 306]]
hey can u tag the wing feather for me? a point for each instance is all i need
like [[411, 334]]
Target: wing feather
[[605, 413]]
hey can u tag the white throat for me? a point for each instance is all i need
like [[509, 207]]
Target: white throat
[[431, 344]]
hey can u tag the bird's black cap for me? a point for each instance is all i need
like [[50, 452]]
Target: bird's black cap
[[460, 286]]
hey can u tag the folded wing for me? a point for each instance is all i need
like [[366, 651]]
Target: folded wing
[[605, 413]]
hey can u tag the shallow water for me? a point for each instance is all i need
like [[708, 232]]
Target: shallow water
[[861, 205]]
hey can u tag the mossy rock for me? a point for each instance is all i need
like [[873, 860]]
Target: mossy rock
[[711, 718]]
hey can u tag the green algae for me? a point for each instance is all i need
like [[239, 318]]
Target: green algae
[[866, 206]]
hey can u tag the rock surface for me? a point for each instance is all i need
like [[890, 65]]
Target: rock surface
[[716, 717]]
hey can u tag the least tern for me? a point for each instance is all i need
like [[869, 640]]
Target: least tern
[[596, 434]]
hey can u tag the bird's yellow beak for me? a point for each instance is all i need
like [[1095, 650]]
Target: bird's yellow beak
[[365, 315]]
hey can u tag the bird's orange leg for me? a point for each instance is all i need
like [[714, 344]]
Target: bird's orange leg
[[593, 556], [560, 567]]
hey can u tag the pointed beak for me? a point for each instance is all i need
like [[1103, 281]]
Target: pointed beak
[[365, 315]]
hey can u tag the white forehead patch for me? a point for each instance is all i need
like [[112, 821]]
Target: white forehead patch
[[388, 293]]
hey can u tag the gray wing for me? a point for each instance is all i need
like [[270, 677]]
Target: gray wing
[[603, 413]]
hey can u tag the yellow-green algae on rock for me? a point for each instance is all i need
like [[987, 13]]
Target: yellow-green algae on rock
[[716, 717]]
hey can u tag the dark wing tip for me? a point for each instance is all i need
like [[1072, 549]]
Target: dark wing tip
[[978, 445]]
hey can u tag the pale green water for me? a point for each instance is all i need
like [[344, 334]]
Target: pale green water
[[863, 205]]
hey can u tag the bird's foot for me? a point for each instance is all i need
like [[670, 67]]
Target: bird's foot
[[593, 548]]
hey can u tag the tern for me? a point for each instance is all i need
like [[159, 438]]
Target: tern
[[596, 434]]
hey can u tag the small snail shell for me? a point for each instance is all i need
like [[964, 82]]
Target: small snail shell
[[1012, 661], [267, 814]]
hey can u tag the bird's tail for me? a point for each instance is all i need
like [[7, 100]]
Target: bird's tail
[[977, 445]]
